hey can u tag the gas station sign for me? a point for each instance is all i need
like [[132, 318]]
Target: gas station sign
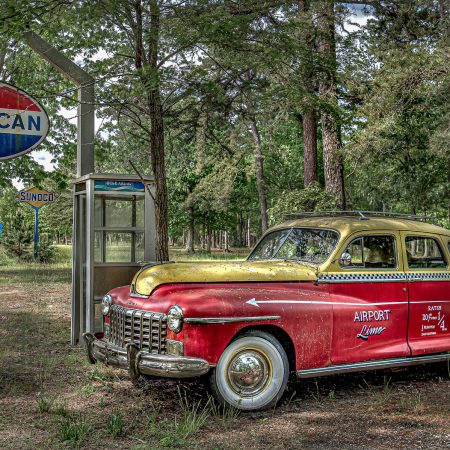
[[24, 123], [36, 198]]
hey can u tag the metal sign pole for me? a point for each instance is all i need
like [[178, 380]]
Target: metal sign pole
[[86, 98], [36, 231]]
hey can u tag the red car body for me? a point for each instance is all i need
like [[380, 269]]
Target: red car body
[[328, 317]]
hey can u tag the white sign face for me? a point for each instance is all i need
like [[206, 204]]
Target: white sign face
[[24, 123]]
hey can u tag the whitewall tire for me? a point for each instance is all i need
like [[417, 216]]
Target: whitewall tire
[[252, 372]]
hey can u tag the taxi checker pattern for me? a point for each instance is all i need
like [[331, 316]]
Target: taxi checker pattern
[[381, 277]]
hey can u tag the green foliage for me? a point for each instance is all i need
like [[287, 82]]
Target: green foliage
[[312, 198], [18, 236], [73, 430], [18, 240], [115, 424], [220, 65], [44, 404]]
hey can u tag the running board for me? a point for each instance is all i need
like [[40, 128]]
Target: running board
[[373, 365]]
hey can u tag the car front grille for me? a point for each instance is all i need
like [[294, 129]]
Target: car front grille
[[146, 329]]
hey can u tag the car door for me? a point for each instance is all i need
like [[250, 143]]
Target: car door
[[427, 269], [368, 290]]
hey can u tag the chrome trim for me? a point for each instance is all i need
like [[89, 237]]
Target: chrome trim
[[174, 347], [372, 365], [429, 276], [248, 373], [134, 294], [146, 329], [176, 311], [141, 362], [381, 277], [201, 320], [360, 277]]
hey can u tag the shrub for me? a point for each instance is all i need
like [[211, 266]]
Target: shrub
[[19, 241], [312, 198]]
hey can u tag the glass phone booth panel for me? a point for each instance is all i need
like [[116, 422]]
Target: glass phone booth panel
[[114, 229]]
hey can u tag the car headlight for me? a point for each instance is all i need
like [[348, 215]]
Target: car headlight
[[175, 319], [106, 304]]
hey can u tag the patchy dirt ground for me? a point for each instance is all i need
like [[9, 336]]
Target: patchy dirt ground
[[51, 398]]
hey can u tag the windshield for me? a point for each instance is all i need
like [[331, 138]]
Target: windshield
[[313, 245]]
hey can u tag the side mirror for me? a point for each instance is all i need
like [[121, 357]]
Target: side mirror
[[345, 259]]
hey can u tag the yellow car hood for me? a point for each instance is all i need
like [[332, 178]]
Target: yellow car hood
[[148, 278]]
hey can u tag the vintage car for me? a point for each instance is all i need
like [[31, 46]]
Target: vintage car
[[319, 294]]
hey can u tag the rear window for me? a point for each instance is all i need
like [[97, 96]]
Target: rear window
[[424, 253]]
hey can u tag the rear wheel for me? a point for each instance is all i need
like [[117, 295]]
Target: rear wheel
[[252, 372]]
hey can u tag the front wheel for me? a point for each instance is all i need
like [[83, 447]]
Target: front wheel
[[252, 372]]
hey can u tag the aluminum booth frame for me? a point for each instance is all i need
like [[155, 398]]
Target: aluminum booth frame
[[113, 230]]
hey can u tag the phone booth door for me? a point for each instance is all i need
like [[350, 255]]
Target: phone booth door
[[114, 231]]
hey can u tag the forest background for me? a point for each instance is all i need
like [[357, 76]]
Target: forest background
[[242, 110]]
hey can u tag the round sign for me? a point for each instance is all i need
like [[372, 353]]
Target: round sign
[[24, 123]]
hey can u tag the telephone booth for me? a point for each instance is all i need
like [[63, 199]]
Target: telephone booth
[[114, 229]]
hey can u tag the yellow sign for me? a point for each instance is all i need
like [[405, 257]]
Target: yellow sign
[[36, 197]]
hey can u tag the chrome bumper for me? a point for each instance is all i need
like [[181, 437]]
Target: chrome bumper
[[139, 362]]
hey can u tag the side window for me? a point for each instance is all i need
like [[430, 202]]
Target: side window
[[424, 253], [371, 252]]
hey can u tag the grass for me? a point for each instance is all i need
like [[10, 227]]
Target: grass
[[227, 414], [176, 433], [45, 404], [60, 271], [73, 431], [50, 397], [115, 424]]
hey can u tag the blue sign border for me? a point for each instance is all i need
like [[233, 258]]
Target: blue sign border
[[118, 186], [44, 136]]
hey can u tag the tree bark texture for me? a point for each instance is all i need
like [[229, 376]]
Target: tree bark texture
[[190, 232], [259, 173], [332, 157], [307, 71], [309, 123], [157, 136]]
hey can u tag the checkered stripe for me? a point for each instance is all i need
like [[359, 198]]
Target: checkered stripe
[[428, 276], [381, 277]]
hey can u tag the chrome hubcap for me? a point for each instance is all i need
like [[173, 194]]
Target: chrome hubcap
[[248, 373]]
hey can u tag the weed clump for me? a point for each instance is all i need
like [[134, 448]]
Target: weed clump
[[44, 404], [115, 425], [73, 430]]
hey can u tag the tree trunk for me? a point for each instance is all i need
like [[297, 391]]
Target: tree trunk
[[190, 232], [259, 174], [226, 248], [309, 116], [152, 84], [208, 238], [309, 123], [332, 157]]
